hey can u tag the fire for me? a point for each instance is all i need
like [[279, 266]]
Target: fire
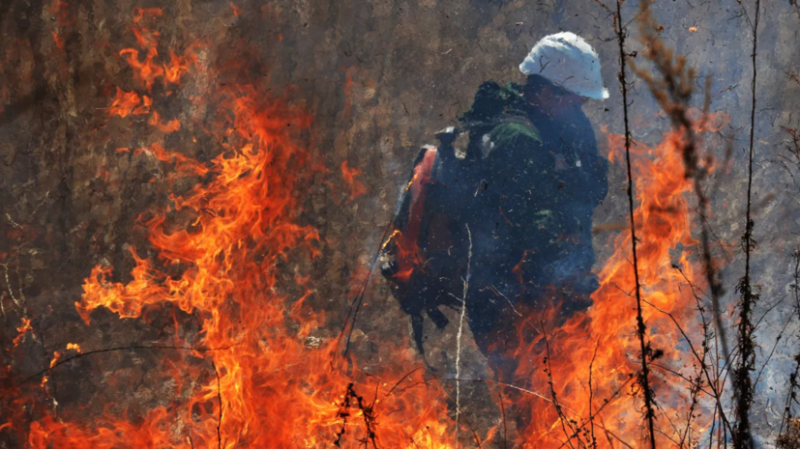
[[350, 176], [58, 40], [149, 70], [167, 128], [124, 103], [408, 255], [603, 338], [262, 372], [22, 331], [57, 355], [256, 380]]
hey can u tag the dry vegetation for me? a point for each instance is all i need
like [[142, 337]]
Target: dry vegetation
[[672, 83]]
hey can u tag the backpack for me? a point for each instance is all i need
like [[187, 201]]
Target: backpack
[[418, 258]]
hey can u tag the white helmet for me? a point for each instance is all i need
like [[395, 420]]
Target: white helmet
[[567, 61]]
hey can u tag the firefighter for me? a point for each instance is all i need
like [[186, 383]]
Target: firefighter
[[497, 217]]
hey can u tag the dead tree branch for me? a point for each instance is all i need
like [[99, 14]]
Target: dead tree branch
[[355, 305], [641, 329], [600, 409], [742, 384]]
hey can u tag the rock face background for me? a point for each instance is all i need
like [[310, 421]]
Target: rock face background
[[379, 78]]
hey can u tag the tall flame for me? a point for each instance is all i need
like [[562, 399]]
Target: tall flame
[[601, 343], [264, 380]]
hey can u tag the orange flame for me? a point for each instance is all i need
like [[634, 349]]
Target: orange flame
[[55, 359], [271, 377], [124, 103], [148, 70], [354, 185], [59, 41], [604, 336], [23, 330], [169, 127]]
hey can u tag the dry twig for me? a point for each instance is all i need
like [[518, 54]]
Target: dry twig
[[562, 418], [460, 331], [367, 413], [794, 378], [591, 396]]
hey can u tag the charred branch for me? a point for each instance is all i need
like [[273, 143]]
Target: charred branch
[[503, 415], [353, 400], [700, 357]]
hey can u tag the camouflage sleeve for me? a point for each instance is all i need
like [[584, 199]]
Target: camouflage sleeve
[[517, 150], [506, 134]]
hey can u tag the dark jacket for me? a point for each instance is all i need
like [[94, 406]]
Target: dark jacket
[[519, 199]]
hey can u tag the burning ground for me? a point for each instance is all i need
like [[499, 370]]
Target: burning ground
[[193, 193]]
